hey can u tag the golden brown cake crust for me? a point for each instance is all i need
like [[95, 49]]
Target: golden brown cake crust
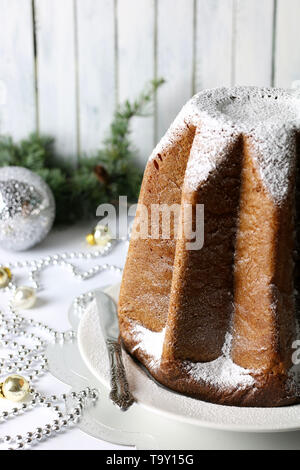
[[242, 283], [267, 390], [148, 299]]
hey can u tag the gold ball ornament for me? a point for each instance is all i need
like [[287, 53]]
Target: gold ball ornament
[[102, 235], [5, 276], [15, 388], [24, 297], [90, 239]]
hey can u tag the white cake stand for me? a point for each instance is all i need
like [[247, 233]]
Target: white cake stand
[[162, 419]]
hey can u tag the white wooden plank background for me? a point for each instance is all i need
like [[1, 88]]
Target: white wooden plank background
[[136, 63], [287, 42], [214, 49], [57, 75], [174, 59], [17, 113], [253, 42], [92, 54], [96, 47]]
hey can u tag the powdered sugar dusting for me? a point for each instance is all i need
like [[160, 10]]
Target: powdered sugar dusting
[[268, 117], [221, 373], [210, 147], [276, 158], [150, 342]]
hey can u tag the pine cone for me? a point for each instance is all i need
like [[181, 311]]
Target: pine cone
[[101, 174]]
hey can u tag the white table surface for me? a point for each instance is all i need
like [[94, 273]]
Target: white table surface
[[60, 288]]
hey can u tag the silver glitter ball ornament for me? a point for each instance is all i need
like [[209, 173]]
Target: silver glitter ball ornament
[[27, 208]]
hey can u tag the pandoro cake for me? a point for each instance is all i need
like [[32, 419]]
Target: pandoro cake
[[219, 323]]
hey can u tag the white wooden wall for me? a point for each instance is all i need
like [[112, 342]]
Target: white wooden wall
[[65, 64]]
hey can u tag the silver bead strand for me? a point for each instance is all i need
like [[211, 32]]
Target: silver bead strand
[[35, 267], [31, 361], [64, 419], [31, 357]]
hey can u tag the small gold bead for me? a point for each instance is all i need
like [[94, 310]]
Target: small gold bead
[[8, 271], [4, 277], [90, 239], [15, 388]]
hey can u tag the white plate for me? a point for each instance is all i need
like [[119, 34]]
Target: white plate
[[158, 399]]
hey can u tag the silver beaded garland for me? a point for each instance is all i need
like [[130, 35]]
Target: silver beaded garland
[[27, 208], [31, 362]]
